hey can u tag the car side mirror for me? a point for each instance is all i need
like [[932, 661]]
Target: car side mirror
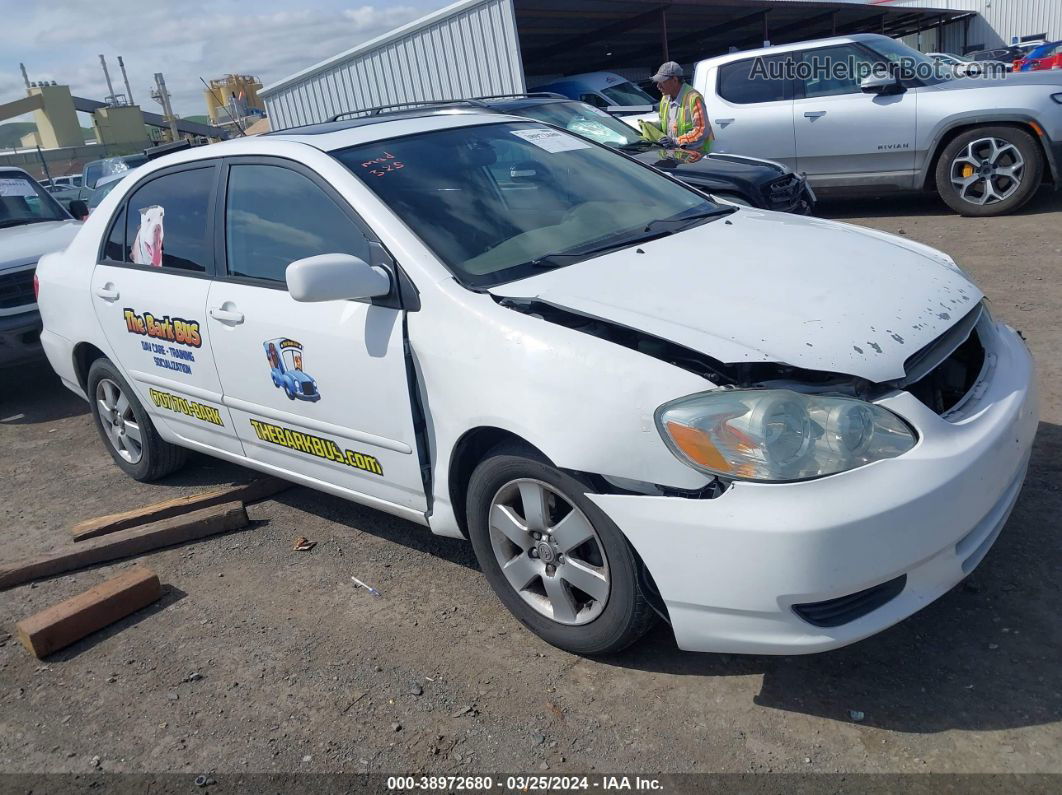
[[334, 277], [882, 85], [79, 209]]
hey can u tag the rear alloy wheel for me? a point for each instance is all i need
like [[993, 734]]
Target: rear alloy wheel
[[126, 429], [559, 564], [989, 171]]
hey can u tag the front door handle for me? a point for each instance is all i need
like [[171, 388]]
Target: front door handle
[[229, 317], [724, 122], [814, 114], [108, 292]]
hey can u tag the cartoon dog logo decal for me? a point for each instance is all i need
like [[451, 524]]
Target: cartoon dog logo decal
[[285, 368], [147, 247]]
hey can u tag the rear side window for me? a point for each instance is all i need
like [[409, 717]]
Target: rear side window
[[167, 222], [756, 80], [274, 216]]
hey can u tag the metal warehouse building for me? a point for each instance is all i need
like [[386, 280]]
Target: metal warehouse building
[[995, 23], [482, 47]]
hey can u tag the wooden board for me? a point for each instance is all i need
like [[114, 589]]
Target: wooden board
[[247, 493], [124, 543], [68, 622]]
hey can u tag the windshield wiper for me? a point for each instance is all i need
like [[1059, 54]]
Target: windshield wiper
[[22, 221], [560, 259], [690, 219]]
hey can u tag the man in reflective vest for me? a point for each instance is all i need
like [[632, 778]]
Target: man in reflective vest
[[683, 116]]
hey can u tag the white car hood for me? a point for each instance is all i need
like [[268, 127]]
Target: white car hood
[[29, 242], [772, 287]]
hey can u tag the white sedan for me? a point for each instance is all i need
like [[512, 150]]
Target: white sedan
[[778, 434]]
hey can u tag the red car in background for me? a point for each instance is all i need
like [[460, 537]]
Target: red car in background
[[1046, 56]]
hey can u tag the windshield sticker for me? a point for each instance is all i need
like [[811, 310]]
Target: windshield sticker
[[315, 446], [178, 405], [383, 165], [285, 368], [147, 247], [551, 140], [16, 187]]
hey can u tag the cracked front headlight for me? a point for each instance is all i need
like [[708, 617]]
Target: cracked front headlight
[[777, 435]]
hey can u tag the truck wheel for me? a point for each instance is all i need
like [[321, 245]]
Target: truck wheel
[[559, 564], [989, 171], [126, 430]]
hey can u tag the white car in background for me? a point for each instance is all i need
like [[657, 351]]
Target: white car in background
[[779, 433], [32, 224]]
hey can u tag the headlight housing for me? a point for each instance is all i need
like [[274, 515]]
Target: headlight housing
[[778, 435]]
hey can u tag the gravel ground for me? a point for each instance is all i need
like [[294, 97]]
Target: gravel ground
[[263, 659]]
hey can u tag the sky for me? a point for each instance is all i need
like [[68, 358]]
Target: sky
[[62, 40]]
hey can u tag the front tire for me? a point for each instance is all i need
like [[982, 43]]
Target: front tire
[[126, 429], [555, 560], [989, 171]]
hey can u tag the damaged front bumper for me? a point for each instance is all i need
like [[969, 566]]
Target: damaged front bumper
[[805, 567]]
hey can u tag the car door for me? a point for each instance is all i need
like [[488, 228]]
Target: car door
[[319, 389], [149, 291], [846, 137], [751, 109]]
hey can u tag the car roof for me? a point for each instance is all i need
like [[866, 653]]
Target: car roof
[[330, 136], [783, 48]]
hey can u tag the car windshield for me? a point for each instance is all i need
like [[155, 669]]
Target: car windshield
[[1045, 50], [24, 201], [583, 119], [627, 94], [503, 201]]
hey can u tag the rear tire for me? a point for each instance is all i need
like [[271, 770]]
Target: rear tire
[[989, 171], [604, 619], [126, 429]]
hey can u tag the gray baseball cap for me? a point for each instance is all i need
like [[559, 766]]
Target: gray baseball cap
[[667, 70]]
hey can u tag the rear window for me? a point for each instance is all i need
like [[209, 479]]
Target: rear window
[[756, 80]]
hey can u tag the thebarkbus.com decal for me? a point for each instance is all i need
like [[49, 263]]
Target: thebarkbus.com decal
[[285, 368], [165, 329], [200, 411], [316, 446]]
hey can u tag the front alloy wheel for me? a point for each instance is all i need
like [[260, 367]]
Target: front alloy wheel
[[989, 170], [552, 556], [549, 552]]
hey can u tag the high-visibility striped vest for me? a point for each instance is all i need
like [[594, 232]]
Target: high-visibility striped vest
[[684, 124]]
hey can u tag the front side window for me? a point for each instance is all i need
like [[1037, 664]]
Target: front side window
[[498, 202], [24, 201], [274, 216], [167, 221], [837, 70]]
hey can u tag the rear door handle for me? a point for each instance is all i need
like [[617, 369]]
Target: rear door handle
[[108, 292], [814, 114], [229, 317]]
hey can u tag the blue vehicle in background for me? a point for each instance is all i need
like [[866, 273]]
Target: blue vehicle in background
[[285, 365]]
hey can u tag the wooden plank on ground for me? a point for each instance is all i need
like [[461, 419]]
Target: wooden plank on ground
[[60, 625], [124, 543], [246, 493]]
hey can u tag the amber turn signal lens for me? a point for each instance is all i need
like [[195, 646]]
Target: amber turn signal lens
[[697, 447]]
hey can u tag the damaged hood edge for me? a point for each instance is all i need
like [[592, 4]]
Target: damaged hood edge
[[766, 287]]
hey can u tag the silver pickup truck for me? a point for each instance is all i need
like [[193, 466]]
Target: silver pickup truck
[[32, 224], [868, 112]]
